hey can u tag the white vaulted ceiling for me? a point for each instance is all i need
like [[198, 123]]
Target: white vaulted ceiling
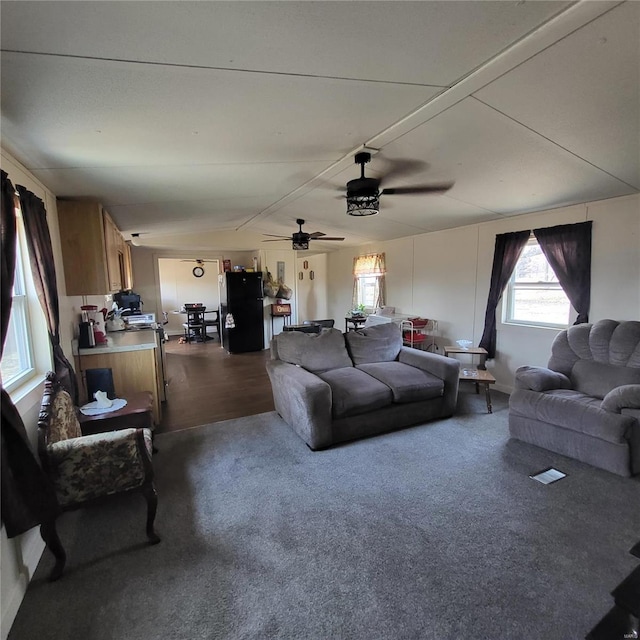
[[207, 124]]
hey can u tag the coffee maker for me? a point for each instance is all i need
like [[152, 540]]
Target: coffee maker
[[129, 302], [91, 332]]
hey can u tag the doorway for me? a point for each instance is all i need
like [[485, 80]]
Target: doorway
[[184, 281]]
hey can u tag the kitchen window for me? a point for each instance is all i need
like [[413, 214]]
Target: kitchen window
[[534, 295]]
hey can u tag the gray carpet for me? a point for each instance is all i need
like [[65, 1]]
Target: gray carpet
[[433, 532]]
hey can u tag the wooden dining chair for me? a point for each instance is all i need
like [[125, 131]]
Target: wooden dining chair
[[194, 327]]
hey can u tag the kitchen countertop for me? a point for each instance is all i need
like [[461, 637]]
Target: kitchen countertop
[[120, 341]]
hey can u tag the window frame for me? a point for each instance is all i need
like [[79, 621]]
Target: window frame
[[20, 320], [362, 285], [513, 286]]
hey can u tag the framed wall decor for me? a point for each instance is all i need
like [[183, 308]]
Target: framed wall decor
[[311, 275], [305, 264], [300, 275]]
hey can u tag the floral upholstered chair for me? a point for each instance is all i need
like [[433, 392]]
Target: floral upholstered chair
[[83, 469]]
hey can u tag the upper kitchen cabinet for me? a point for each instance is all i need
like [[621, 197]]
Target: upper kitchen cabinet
[[96, 258]]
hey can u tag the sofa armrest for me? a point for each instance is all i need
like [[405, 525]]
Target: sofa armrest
[[626, 396], [303, 400], [447, 369], [540, 379], [437, 365]]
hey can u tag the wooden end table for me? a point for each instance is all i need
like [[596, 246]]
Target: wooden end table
[[138, 412], [479, 376], [469, 373]]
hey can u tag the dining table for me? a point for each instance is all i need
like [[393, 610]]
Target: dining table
[[199, 333]]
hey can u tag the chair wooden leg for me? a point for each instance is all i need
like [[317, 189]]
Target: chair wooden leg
[[50, 536], [151, 497]]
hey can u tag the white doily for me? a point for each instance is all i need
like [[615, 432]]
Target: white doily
[[92, 409]]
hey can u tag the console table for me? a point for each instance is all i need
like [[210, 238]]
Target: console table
[[281, 311], [356, 321]]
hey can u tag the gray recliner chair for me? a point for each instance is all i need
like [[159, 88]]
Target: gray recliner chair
[[586, 403]]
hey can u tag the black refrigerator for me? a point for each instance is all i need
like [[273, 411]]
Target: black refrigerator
[[242, 311]]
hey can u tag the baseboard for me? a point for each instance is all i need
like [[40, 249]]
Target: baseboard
[[32, 549], [503, 388]]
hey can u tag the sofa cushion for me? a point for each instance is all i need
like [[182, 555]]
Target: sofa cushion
[[315, 352], [354, 392], [597, 378], [408, 384], [572, 410], [380, 343]]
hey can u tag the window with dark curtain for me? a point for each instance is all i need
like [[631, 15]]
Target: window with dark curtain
[[568, 250], [27, 496]]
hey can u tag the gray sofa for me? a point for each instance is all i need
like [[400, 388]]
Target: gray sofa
[[586, 404], [332, 387]]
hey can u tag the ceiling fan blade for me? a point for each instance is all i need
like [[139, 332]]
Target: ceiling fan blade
[[273, 235], [417, 189], [401, 168], [278, 240], [329, 238], [317, 234]]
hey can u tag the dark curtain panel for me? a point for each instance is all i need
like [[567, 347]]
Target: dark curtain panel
[[508, 248], [43, 270], [8, 256], [27, 497], [567, 247]]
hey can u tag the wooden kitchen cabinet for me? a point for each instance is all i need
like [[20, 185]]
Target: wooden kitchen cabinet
[[128, 266], [113, 249], [95, 256]]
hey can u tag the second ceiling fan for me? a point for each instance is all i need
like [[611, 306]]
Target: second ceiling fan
[[363, 194], [300, 239]]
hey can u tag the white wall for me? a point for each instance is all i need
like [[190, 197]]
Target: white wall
[[445, 275], [311, 295]]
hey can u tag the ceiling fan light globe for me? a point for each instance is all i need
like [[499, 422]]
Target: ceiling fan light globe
[[363, 205], [300, 245]]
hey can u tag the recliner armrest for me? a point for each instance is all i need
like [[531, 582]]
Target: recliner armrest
[[540, 379], [626, 396]]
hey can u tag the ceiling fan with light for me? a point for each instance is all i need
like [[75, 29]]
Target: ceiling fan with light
[[363, 194], [300, 239]]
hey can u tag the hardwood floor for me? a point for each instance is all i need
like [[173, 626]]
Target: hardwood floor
[[207, 384]]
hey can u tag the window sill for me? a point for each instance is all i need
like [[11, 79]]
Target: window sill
[[23, 396], [533, 325]]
